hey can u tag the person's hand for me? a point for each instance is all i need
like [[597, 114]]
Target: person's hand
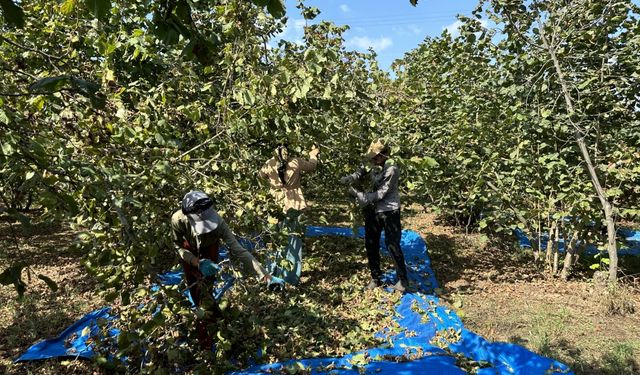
[[208, 268], [275, 284], [314, 152], [361, 199], [346, 180]]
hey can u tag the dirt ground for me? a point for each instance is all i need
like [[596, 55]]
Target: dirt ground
[[492, 285], [42, 313], [500, 295]]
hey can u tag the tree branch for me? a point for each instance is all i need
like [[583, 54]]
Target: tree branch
[[32, 93], [19, 72], [30, 49]]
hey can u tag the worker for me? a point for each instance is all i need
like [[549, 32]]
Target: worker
[[381, 210], [284, 174], [197, 230]]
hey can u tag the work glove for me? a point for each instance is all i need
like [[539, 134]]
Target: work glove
[[275, 284], [361, 199], [208, 268]]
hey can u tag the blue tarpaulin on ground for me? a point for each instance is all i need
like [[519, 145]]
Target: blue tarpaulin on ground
[[432, 339], [629, 238], [424, 322]]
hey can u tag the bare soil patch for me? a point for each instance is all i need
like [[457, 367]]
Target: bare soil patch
[[42, 313]]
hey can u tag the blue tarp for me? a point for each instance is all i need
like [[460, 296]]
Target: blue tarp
[[72, 342], [414, 349], [426, 328], [630, 240]]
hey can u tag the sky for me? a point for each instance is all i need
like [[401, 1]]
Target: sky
[[390, 27]]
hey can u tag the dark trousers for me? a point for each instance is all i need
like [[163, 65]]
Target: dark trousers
[[374, 223], [201, 290]]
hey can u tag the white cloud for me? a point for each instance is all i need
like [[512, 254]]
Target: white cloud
[[293, 30], [415, 29], [454, 28], [408, 30], [364, 42], [345, 8]]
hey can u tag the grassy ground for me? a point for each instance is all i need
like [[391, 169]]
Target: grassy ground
[[494, 287]]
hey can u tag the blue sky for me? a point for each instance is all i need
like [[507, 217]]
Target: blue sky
[[390, 27]]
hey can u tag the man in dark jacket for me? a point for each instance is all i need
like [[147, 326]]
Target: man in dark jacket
[[381, 209]]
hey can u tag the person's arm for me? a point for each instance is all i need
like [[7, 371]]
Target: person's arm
[[311, 164], [389, 183], [264, 171], [237, 252], [359, 174], [178, 235], [307, 165]]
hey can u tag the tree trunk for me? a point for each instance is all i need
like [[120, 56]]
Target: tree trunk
[[569, 258], [536, 252], [606, 205], [550, 245], [556, 251], [611, 242]]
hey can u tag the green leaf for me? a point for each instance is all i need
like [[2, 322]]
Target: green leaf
[[49, 84], [4, 118], [310, 13], [167, 33], [85, 87], [586, 83], [68, 6], [99, 8], [276, 8], [90, 90], [359, 360], [125, 297], [413, 2], [183, 11], [85, 331], [70, 203], [430, 162], [12, 275], [50, 283], [101, 360], [13, 14], [7, 148]]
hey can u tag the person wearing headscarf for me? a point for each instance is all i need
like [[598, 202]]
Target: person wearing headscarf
[[197, 230], [284, 174]]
